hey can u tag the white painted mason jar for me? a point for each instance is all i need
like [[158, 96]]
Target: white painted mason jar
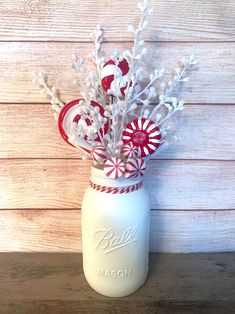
[[115, 234]]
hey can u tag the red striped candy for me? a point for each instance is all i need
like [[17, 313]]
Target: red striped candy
[[69, 114], [144, 134], [129, 150], [135, 167], [108, 71], [114, 168], [99, 154]]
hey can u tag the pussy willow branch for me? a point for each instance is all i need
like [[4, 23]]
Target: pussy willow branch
[[169, 91], [40, 79]]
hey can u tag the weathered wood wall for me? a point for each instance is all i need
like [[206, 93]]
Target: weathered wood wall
[[191, 186]]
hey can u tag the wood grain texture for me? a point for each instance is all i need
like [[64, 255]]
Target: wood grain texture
[[117, 306], [213, 83], [61, 20], [55, 283], [30, 131], [196, 198], [171, 184], [170, 231]]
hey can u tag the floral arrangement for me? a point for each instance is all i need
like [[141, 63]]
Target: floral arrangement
[[119, 121]]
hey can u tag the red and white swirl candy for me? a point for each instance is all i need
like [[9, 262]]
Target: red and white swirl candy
[[129, 150], [135, 167], [114, 168], [109, 70], [69, 114], [144, 134], [99, 154]]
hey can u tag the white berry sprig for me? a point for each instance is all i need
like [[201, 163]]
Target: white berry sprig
[[129, 96]]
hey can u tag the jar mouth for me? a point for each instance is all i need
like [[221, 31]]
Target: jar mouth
[[98, 176]]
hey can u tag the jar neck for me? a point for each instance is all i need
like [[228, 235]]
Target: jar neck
[[99, 177]]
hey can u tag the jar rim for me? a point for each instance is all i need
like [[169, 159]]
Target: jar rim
[[98, 176]]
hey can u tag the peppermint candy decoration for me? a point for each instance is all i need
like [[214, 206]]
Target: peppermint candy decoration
[[114, 168], [99, 154], [69, 114], [135, 167], [107, 74], [144, 134], [129, 150]]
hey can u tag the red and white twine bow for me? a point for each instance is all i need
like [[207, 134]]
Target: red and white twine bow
[[116, 190]]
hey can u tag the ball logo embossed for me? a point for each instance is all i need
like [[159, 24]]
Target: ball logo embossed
[[108, 241]]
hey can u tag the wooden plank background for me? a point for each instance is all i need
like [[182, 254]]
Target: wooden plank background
[[214, 83], [191, 185]]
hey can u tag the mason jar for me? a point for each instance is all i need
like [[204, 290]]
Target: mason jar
[[115, 234]]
